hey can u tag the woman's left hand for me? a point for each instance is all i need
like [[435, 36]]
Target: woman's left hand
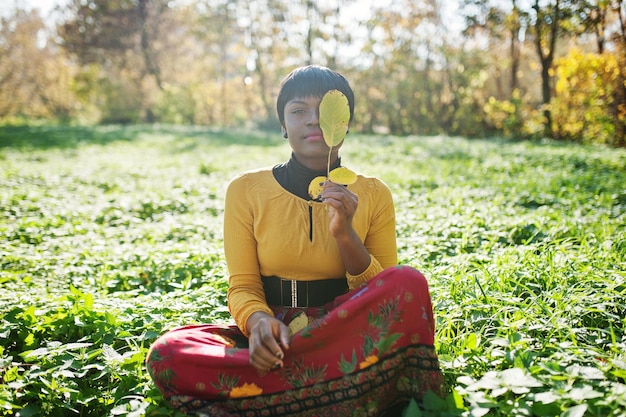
[[342, 204]]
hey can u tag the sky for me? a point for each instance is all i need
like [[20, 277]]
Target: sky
[[46, 7]]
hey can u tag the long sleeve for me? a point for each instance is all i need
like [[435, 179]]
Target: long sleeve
[[245, 292], [380, 240]]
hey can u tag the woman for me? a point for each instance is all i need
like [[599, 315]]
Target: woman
[[326, 323]]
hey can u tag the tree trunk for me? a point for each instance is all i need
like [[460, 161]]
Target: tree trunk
[[309, 34], [515, 55], [547, 58], [153, 69], [620, 96], [546, 95]]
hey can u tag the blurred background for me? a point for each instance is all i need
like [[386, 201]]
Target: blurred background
[[509, 68]]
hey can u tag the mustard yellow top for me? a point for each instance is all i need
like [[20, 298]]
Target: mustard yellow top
[[270, 232]]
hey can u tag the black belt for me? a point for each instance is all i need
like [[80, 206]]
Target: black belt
[[292, 293]]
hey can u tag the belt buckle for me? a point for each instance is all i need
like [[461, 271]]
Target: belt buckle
[[293, 295]]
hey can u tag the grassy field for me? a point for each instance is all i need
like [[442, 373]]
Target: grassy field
[[109, 236]]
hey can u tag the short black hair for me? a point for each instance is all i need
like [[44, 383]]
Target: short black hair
[[311, 81]]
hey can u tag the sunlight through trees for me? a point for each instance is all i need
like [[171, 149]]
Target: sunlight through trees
[[418, 67]]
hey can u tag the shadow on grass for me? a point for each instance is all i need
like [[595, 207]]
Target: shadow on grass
[[45, 137], [63, 137]]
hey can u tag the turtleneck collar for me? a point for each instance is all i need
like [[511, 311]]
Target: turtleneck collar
[[295, 177]]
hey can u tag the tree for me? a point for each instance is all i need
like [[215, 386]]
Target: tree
[[495, 19], [549, 21], [605, 19], [103, 29], [266, 40], [404, 83], [584, 109], [514, 26], [129, 37], [220, 61], [619, 6], [619, 9], [35, 77], [281, 34]]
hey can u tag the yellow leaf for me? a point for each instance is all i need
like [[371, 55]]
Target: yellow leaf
[[342, 175], [315, 187], [369, 361], [246, 390], [334, 117], [298, 323]]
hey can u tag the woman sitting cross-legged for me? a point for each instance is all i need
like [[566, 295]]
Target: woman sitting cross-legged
[[327, 323]]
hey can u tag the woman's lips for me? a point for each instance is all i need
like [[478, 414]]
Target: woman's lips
[[314, 137]]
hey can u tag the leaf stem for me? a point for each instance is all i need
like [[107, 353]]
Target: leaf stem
[[330, 151]]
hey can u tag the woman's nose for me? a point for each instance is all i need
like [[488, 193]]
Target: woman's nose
[[314, 118]]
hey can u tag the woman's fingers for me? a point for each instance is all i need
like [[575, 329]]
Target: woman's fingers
[[264, 360], [342, 205], [340, 198], [266, 339]]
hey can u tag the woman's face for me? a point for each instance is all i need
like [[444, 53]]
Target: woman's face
[[305, 136]]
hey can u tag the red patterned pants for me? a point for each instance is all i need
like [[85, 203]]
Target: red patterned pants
[[360, 355]]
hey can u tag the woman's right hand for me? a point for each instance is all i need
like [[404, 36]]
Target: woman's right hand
[[268, 339]]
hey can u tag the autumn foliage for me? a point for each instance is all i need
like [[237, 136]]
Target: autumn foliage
[[522, 70]]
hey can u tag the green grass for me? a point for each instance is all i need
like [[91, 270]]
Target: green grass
[[109, 236]]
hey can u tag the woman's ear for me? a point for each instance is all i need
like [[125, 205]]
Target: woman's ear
[[282, 128]]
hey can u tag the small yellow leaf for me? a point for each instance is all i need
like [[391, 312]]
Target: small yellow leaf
[[315, 187], [334, 117], [342, 175], [298, 323], [369, 361], [246, 390]]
